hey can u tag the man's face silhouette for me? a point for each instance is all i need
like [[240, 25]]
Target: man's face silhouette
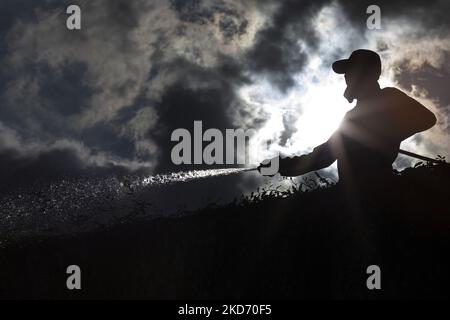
[[362, 70], [359, 83], [353, 79]]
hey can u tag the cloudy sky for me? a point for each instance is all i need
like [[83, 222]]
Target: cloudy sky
[[104, 100]]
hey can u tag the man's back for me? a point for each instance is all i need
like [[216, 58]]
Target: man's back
[[367, 142]]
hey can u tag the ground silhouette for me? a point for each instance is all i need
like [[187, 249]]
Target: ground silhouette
[[283, 245]]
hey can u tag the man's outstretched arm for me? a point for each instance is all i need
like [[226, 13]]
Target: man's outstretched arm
[[321, 157]]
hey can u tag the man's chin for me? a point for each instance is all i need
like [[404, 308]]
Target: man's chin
[[348, 95]]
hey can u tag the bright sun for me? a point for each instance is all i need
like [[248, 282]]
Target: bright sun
[[307, 115], [322, 109]]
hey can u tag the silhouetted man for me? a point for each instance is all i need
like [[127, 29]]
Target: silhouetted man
[[368, 139]]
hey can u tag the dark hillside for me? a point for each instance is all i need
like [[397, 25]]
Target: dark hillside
[[292, 245]]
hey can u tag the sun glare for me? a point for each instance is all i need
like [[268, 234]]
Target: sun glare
[[323, 108], [306, 116]]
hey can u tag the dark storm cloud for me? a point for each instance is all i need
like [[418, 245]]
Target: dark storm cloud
[[201, 94], [195, 11], [63, 92], [433, 14], [66, 92], [95, 87], [277, 52], [434, 80], [11, 11]]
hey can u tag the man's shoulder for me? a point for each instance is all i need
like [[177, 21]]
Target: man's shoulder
[[393, 93]]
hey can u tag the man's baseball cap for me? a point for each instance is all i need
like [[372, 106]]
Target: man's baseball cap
[[363, 60]]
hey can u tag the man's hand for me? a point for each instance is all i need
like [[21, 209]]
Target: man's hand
[[269, 167]]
